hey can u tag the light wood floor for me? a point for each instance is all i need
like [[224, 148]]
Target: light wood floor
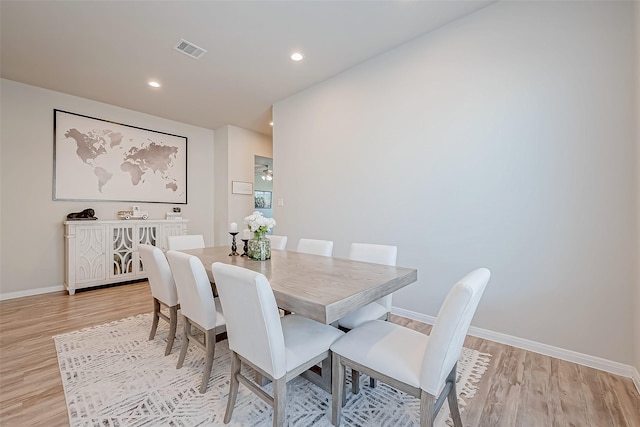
[[520, 388]]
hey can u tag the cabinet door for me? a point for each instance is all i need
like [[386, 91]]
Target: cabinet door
[[122, 238], [90, 254], [146, 234]]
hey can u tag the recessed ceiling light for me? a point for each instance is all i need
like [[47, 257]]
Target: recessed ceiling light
[[270, 123], [154, 84], [297, 56]]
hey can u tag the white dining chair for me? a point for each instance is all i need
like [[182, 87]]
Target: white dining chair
[[198, 308], [315, 247], [277, 348], [185, 241], [163, 291], [423, 366], [380, 309], [277, 242]]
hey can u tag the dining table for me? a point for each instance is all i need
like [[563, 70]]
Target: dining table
[[318, 287]]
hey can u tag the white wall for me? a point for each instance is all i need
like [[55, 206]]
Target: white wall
[[505, 140], [32, 232], [241, 147], [222, 186]]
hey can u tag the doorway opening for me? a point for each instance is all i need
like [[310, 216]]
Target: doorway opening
[[263, 186]]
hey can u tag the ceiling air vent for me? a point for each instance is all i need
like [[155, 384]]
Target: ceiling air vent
[[190, 49]]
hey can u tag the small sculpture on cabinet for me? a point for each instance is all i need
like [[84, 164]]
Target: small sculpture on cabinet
[[87, 214]]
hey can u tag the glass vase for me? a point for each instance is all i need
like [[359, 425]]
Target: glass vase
[[259, 247]]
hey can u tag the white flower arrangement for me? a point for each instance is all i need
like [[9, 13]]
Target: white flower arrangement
[[258, 224]]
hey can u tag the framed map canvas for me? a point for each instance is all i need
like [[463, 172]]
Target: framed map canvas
[[95, 159]]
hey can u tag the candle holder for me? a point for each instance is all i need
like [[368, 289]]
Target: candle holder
[[246, 247], [233, 244]]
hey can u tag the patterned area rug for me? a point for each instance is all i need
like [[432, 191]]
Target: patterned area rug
[[113, 376]]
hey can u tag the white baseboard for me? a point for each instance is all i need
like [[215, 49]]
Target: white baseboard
[[30, 292], [547, 350]]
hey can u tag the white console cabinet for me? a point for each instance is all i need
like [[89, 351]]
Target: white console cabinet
[[104, 252]]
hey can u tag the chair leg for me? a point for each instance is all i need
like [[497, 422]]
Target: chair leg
[[156, 317], [452, 398], [372, 381], [337, 388], [355, 381], [427, 409], [279, 401], [210, 346], [233, 386], [343, 387], [173, 324], [185, 342]]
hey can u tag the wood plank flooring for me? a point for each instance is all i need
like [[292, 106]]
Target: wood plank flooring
[[520, 388]]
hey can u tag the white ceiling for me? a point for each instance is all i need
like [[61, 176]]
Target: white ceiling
[[108, 50]]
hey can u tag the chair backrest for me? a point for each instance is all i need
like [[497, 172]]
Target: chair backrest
[[185, 241], [377, 254], [315, 247], [450, 328], [194, 289], [277, 242], [251, 314], [155, 264]]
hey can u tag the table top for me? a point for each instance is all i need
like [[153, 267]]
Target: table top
[[318, 287]]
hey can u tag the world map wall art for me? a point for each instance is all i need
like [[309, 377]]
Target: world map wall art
[[95, 159]]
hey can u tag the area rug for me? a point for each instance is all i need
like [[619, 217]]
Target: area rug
[[113, 376]]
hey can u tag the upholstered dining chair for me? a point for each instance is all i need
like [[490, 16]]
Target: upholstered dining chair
[[185, 241], [163, 291], [278, 348], [380, 309], [277, 242], [315, 247], [423, 366], [198, 308]]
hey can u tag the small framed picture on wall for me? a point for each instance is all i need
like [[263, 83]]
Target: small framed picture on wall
[[262, 199], [240, 187]]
